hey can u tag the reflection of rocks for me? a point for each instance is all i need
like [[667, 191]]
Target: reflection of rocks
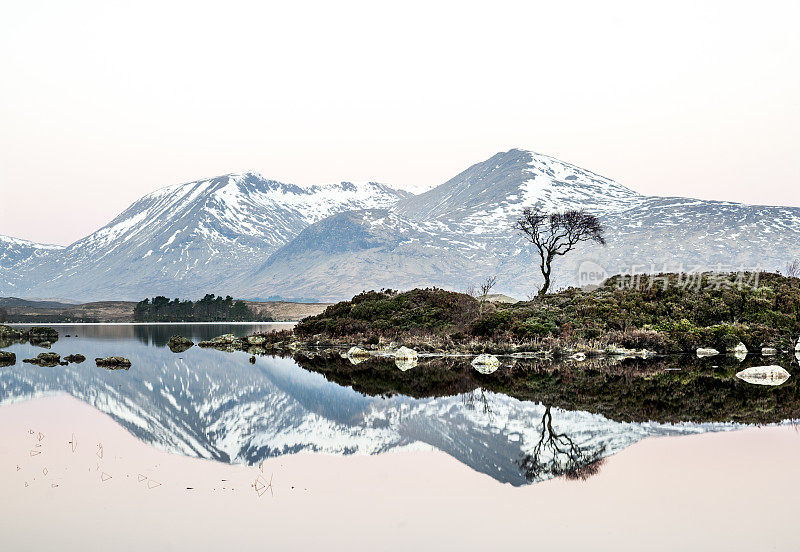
[[42, 335], [77, 358], [45, 359], [357, 355], [486, 364], [405, 358], [7, 359], [764, 375], [665, 389], [179, 344], [706, 352], [769, 351], [38, 335], [113, 363]]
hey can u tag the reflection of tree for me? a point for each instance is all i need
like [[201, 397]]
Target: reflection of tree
[[556, 454], [470, 399]]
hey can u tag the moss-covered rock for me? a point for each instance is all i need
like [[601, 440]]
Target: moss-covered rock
[[7, 359], [113, 363], [179, 344], [45, 359]]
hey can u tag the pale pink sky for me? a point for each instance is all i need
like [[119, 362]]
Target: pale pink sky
[[101, 103]]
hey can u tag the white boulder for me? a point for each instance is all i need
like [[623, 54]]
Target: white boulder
[[357, 355], [764, 375], [769, 351], [405, 358], [706, 352], [739, 352], [357, 352], [486, 364], [578, 357]]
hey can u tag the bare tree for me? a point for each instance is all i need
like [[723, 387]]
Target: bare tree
[[556, 234], [486, 287], [793, 269]]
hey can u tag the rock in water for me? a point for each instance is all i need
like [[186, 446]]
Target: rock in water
[[42, 334], [45, 359], [769, 351], [255, 339], [356, 355], [178, 343], [225, 342], [578, 357], [77, 359], [7, 359], [113, 363], [486, 364], [706, 352], [739, 352], [252, 360], [764, 375], [405, 358], [7, 332], [797, 347]]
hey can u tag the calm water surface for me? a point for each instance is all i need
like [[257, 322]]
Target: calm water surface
[[217, 405]]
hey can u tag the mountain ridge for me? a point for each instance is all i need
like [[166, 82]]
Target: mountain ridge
[[248, 236]]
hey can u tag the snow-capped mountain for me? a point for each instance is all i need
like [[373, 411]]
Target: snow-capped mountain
[[216, 405], [461, 232], [14, 252], [250, 237], [194, 238]]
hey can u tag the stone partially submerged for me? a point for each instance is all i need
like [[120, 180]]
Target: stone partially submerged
[[113, 363], [357, 355], [179, 344], [764, 375], [405, 358], [45, 359], [739, 351], [225, 342], [769, 351], [486, 364], [7, 359], [706, 352], [76, 358]]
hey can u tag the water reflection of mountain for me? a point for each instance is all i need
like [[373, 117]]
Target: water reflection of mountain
[[216, 405]]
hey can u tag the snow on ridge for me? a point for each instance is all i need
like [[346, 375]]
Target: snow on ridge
[[27, 243]]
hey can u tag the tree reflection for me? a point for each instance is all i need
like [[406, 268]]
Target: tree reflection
[[557, 454]]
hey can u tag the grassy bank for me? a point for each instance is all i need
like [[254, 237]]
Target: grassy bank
[[668, 317]]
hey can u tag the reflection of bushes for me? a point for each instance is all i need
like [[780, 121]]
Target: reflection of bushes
[[703, 390], [712, 313]]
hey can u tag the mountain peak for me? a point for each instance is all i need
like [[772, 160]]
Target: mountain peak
[[499, 188]]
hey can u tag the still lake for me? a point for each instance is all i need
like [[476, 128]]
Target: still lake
[[217, 406]]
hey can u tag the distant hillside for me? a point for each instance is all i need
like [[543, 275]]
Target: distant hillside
[[23, 310]]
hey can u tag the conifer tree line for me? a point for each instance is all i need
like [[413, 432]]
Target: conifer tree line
[[210, 308]]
